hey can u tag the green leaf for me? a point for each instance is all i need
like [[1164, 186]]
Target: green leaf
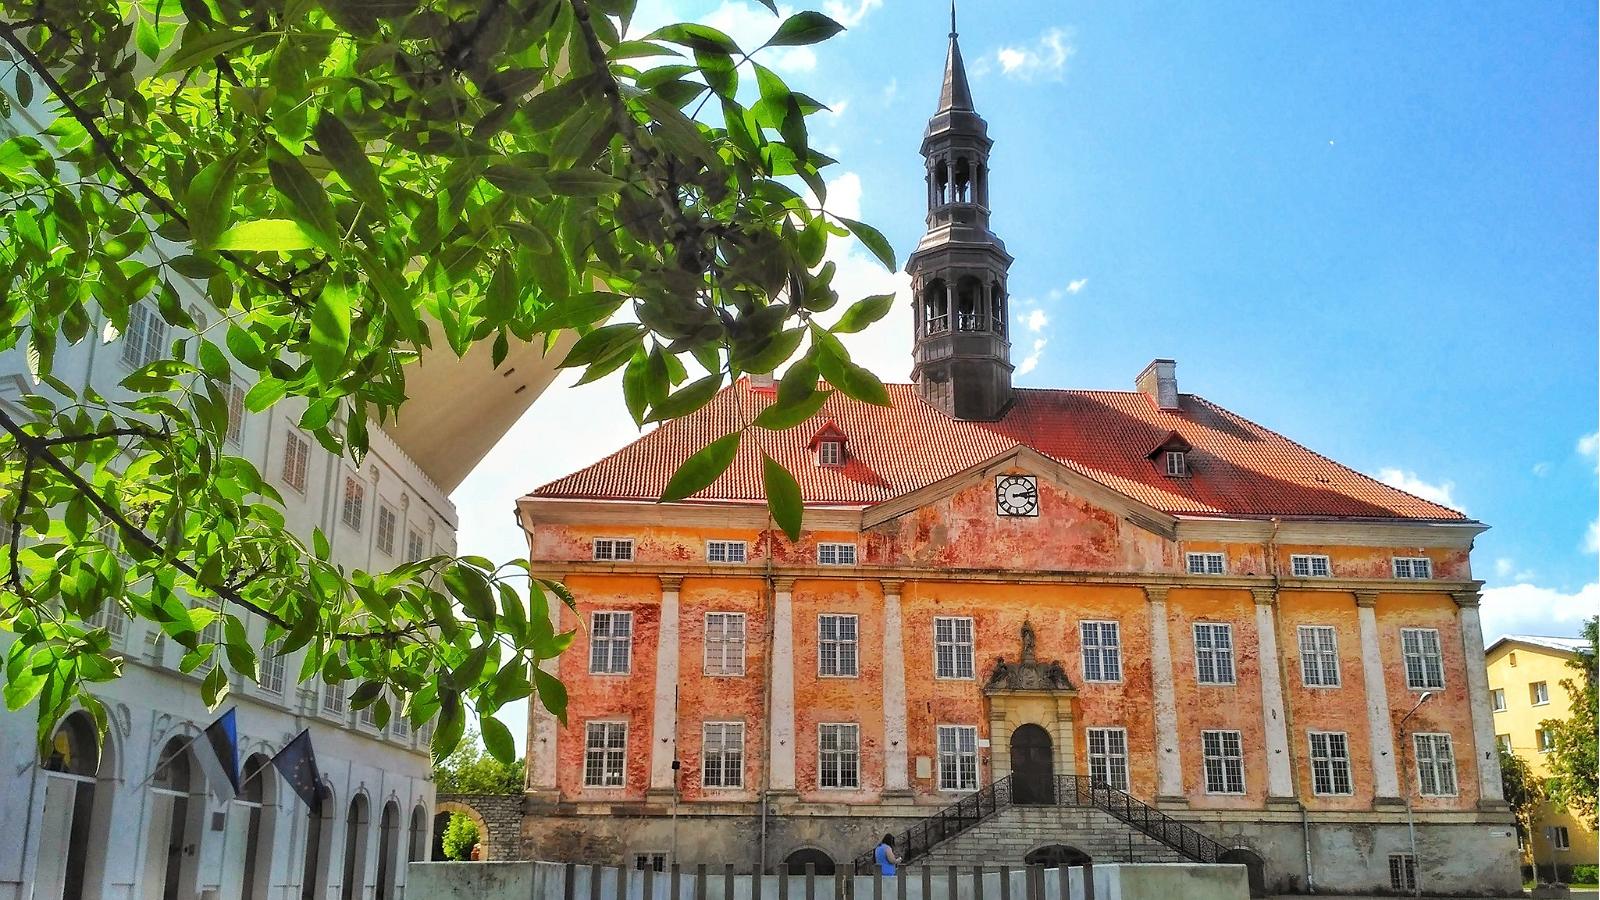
[[330, 330], [806, 27], [799, 382], [583, 183], [863, 313], [517, 180], [874, 241], [284, 235], [497, 739], [264, 393], [702, 468], [552, 693], [779, 415], [209, 202], [783, 496], [306, 195], [468, 586], [200, 47], [349, 159], [774, 354], [696, 37], [686, 399]]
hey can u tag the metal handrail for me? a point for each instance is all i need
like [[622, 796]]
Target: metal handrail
[[1068, 790]]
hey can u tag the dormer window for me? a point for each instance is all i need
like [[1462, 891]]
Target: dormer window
[[830, 453], [1177, 464], [1172, 455]]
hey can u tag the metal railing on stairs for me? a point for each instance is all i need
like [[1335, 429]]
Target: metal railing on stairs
[[1063, 790]]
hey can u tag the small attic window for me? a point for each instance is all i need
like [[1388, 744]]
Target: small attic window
[[1177, 463], [1172, 455], [830, 453]]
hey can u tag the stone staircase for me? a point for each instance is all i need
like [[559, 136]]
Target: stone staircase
[[1008, 836]]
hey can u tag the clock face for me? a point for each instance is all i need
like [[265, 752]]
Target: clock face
[[1016, 495]]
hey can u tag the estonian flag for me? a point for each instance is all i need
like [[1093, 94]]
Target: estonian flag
[[298, 764], [218, 756]]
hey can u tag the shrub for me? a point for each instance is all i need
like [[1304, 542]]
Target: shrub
[[1585, 874], [460, 835]]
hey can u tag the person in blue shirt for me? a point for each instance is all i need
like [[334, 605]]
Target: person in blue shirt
[[884, 856]]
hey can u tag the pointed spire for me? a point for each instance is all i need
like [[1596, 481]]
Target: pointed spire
[[955, 94]]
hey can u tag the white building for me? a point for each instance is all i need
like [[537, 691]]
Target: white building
[[85, 823]]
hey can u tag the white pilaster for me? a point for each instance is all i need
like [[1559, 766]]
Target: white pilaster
[[896, 774], [1380, 726], [781, 734], [1280, 783], [1488, 756], [664, 728], [542, 726], [1169, 766]]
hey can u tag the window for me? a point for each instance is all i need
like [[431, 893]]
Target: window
[[1511, 659], [210, 634], [416, 545], [839, 757], [1206, 564], [112, 618], [605, 752], [1413, 567], [725, 551], [296, 451], [272, 667], [386, 525], [958, 758], [235, 414], [725, 643], [1497, 697], [1424, 666], [355, 503], [1108, 757], [613, 549], [829, 554], [1102, 651], [369, 716], [722, 759], [1436, 765], [1309, 566], [1545, 739], [333, 698], [1319, 656], [1224, 757], [146, 338], [1539, 693], [610, 643], [1503, 741], [1177, 464], [1559, 838], [836, 646], [1213, 653], [654, 862], [1330, 763], [952, 647], [399, 727], [830, 453], [1402, 872]]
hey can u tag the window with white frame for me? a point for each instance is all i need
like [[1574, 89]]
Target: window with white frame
[[1102, 651], [722, 755], [654, 862], [399, 726], [952, 647], [1413, 567], [1559, 838], [605, 754], [1177, 463], [725, 551], [369, 716], [1224, 761], [386, 525], [1207, 564], [1402, 872], [1319, 656], [1213, 653], [839, 756], [1108, 757], [836, 554], [235, 432], [112, 618], [830, 453], [210, 634], [333, 698], [836, 645], [296, 453], [1503, 741], [1424, 664], [725, 643], [1497, 697], [1330, 763], [272, 667], [1309, 565], [958, 757], [1436, 764], [354, 511], [146, 338], [610, 643], [1545, 739], [613, 549], [416, 545], [1539, 693]]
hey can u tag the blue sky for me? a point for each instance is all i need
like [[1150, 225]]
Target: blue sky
[[1370, 227]]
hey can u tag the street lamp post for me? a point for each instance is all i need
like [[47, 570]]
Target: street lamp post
[[1411, 822]]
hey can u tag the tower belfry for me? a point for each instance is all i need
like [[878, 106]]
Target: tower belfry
[[958, 271]]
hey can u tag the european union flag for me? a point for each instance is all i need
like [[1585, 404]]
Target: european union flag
[[298, 764]]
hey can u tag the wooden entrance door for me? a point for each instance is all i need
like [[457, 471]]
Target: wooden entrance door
[[1032, 766]]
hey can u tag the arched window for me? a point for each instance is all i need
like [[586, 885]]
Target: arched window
[[1056, 855], [969, 304], [75, 808], [319, 848], [418, 849], [796, 862], [250, 830], [981, 195], [935, 314], [941, 183], [355, 849], [997, 307], [388, 852], [176, 820], [963, 181]]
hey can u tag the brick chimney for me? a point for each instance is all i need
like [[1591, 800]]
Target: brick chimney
[[1160, 381]]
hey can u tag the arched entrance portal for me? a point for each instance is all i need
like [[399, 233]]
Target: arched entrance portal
[[388, 850], [1054, 856], [796, 862], [1032, 766], [176, 819], [75, 813], [1255, 870], [355, 849]]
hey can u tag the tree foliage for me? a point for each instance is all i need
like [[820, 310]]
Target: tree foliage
[[460, 836], [470, 770], [1574, 763], [1523, 790], [347, 185]]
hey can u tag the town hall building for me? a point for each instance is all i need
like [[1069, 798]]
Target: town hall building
[[1020, 625]]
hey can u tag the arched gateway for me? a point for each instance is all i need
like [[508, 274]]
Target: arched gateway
[[1030, 722]]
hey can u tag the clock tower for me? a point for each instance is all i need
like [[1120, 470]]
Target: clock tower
[[958, 271]]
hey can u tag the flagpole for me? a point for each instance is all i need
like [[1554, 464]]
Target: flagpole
[[162, 764]]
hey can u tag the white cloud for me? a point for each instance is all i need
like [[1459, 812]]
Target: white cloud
[[1541, 469], [1036, 320], [1530, 609], [750, 25], [1411, 483], [1589, 445], [1504, 566], [1031, 361], [890, 91], [849, 14], [884, 348], [1076, 285], [1591, 538], [1045, 58]]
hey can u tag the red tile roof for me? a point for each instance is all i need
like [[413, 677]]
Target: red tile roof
[[1237, 468]]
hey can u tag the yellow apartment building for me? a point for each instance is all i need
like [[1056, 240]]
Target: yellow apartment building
[[1525, 674]]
